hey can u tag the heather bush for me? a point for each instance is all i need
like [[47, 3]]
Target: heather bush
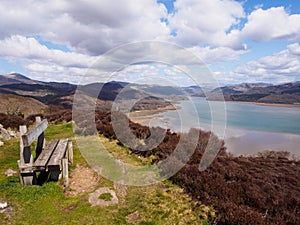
[[263, 189]]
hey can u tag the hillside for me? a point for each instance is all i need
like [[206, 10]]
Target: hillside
[[14, 104], [288, 93], [62, 94], [261, 189], [150, 96]]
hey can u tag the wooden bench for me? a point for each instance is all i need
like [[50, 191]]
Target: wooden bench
[[51, 159]]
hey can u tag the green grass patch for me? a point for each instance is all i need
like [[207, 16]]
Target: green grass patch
[[162, 203], [106, 197]]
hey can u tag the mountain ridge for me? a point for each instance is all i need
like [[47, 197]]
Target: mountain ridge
[[51, 92]]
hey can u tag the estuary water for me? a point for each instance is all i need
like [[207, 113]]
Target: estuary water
[[247, 128]]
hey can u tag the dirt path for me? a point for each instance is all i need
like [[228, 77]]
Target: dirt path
[[82, 180]]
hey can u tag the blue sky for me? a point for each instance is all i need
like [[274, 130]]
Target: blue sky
[[239, 41]]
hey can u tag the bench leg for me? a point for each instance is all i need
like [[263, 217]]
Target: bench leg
[[65, 172], [28, 179], [70, 152], [54, 175], [43, 177]]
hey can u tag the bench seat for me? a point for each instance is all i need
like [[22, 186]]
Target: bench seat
[[51, 156]]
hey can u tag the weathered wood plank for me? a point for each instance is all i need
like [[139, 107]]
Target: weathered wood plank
[[20, 176], [43, 159], [29, 178], [34, 133], [40, 140], [58, 153], [65, 171], [70, 152]]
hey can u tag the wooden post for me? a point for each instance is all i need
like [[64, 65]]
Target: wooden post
[[20, 176], [29, 178], [25, 160], [25, 151], [70, 152], [41, 139], [65, 171]]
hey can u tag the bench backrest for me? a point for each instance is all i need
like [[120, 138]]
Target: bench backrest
[[33, 134], [27, 137]]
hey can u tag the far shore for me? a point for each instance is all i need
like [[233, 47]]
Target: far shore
[[144, 120], [152, 111], [145, 116], [278, 105], [268, 104]]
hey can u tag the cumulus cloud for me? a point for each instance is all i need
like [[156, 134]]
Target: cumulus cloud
[[281, 67], [272, 23], [43, 63], [205, 21], [29, 49], [211, 29], [211, 55], [91, 26]]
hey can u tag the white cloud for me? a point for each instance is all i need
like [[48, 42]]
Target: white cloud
[[211, 55], [205, 21], [29, 49], [272, 23], [281, 67], [43, 63], [88, 26]]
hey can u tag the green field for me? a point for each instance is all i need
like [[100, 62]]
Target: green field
[[162, 203]]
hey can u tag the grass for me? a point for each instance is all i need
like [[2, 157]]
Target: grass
[[162, 203], [106, 197]]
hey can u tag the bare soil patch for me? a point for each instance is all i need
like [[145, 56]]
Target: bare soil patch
[[133, 217], [82, 180]]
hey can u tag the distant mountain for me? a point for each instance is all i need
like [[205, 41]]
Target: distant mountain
[[16, 78], [55, 93], [194, 91], [287, 93], [62, 94], [6, 79], [45, 92]]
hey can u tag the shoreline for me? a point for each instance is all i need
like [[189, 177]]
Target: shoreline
[[278, 105], [144, 117], [143, 120], [268, 104], [148, 112]]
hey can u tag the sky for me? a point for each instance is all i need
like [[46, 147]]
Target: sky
[[238, 41]]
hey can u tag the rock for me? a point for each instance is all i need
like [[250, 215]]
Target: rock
[[4, 134], [1, 143], [7, 134], [5, 208], [10, 173], [12, 134], [96, 201], [3, 205]]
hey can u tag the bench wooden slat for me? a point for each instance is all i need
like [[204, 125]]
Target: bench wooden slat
[[34, 133], [58, 153], [44, 157]]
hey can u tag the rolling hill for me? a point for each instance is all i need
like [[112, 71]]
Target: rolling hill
[[287, 93], [14, 104], [61, 94]]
